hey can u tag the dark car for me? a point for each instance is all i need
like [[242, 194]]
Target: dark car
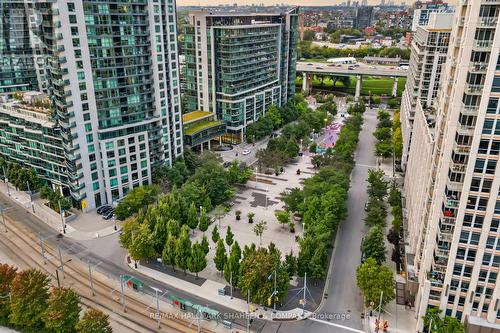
[[106, 210], [366, 206], [102, 209], [226, 164], [109, 215]]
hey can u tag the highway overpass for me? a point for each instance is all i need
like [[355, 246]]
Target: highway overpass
[[308, 69]]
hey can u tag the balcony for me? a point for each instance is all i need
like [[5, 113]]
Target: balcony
[[461, 148], [491, 2], [483, 45], [478, 67], [465, 129], [451, 203], [441, 253], [457, 166], [470, 110], [474, 89], [455, 186], [487, 22]]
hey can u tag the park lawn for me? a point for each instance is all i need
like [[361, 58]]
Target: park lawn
[[375, 86]]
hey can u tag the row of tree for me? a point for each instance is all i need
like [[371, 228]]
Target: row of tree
[[20, 176], [373, 278], [434, 322], [308, 50], [28, 304], [322, 201], [146, 234], [287, 145], [383, 134], [397, 136]]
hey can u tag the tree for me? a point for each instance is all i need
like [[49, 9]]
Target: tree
[[290, 264], [233, 265], [229, 236], [29, 298], [63, 311], [293, 199], [313, 147], [383, 149], [373, 280], [215, 235], [7, 275], [183, 249], [382, 134], [94, 321], [173, 228], [257, 270], [204, 244], [143, 243], [204, 221], [376, 214], [292, 148], [447, 324], [377, 185], [283, 217], [55, 199], [197, 261], [192, 217], [397, 139], [317, 265], [250, 217], [135, 200], [220, 258], [373, 245], [259, 230], [308, 35], [168, 254]]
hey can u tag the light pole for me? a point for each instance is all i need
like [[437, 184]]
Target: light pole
[[61, 267], [62, 217], [31, 196], [2, 210], [91, 280], [267, 193], [6, 180]]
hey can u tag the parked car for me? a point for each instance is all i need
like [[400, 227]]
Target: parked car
[[366, 206], [109, 215], [101, 209], [226, 164], [245, 152]]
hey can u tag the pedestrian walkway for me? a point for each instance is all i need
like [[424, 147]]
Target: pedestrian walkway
[[79, 226], [209, 290]]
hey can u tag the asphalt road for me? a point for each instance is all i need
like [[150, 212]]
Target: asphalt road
[[363, 69]]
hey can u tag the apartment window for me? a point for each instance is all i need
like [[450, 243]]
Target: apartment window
[[80, 75], [110, 154], [486, 259], [86, 116], [493, 277], [88, 128], [490, 242], [72, 19], [113, 182], [74, 31], [123, 160], [112, 172], [90, 148], [89, 138], [71, 7], [78, 54], [76, 42], [491, 166], [123, 169], [95, 176], [492, 106], [496, 84], [494, 225], [95, 186]]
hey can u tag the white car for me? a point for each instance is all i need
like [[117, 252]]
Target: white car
[[245, 152]]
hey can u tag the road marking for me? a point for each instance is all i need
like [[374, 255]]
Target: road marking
[[366, 165], [337, 325]]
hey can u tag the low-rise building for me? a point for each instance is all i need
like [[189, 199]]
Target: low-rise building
[[30, 138], [200, 128]]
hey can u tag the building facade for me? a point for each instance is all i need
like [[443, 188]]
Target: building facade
[[17, 58], [429, 51], [237, 65], [452, 229], [364, 17], [423, 11], [112, 75]]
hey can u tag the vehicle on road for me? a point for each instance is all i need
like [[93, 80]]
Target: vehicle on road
[[101, 209], [309, 64], [350, 68], [109, 215], [344, 60], [226, 164], [106, 210], [366, 206], [245, 152], [319, 67]]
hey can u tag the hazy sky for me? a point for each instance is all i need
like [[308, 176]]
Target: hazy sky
[[272, 2]]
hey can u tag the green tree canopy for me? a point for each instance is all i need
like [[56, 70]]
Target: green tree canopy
[[373, 245], [374, 280], [94, 321], [63, 311]]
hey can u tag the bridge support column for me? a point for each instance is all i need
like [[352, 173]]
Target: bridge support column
[[357, 93], [395, 87], [306, 83]]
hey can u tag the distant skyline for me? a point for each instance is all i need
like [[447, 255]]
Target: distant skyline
[[273, 2]]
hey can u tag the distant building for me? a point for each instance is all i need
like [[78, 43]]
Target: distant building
[[423, 11], [364, 17], [382, 61]]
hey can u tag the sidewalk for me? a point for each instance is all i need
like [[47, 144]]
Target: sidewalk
[[209, 290], [83, 227]]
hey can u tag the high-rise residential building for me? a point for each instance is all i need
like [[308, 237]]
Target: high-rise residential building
[[17, 64], [429, 51], [238, 65], [452, 179], [364, 17], [112, 76], [422, 12]]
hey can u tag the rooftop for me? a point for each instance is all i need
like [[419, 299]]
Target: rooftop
[[202, 126], [190, 117]]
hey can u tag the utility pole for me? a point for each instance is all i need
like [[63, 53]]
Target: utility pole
[[57, 277], [123, 294], [275, 291], [60, 259], [231, 280], [31, 196], [91, 281], [304, 297], [158, 316], [62, 217], [6, 180], [43, 249], [380, 305]]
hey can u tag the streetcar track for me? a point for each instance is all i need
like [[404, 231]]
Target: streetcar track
[[102, 289]]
